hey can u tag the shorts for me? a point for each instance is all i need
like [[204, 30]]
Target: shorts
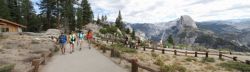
[[62, 44], [72, 42], [80, 39]]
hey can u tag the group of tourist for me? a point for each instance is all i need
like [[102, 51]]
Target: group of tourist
[[74, 38]]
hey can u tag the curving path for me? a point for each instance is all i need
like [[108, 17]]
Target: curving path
[[86, 60]]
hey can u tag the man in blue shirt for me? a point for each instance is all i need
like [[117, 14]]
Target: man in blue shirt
[[63, 41]]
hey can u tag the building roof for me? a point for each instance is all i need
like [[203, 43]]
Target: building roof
[[13, 23]]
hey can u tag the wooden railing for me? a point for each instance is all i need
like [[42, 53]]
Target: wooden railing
[[135, 65], [35, 64], [176, 51], [196, 53], [40, 61]]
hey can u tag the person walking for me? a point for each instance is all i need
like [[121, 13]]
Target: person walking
[[89, 37], [80, 39], [72, 38], [138, 43], [63, 41]]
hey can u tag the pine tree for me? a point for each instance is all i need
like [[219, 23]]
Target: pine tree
[[98, 21], [69, 14], [58, 13], [48, 8], [79, 18], [26, 12], [4, 9], [119, 22], [87, 12], [170, 40], [14, 9], [103, 18], [133, 34], [30, 19], [35, 23], [127, 31]]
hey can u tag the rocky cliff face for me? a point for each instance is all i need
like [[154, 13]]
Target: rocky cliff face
[[186, 23], [186, 30]]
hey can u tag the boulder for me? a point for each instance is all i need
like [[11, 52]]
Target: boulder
[[52, 32]]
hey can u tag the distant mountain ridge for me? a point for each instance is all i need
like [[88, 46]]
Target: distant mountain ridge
[[154, 31], [186, 31], [237, 23]]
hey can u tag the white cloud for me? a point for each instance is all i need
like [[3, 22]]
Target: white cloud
[[165, 10], [151, 11]]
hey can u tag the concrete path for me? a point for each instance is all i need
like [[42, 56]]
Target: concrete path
[[86, 60]]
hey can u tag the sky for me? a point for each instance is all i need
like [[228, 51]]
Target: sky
[[153, 11]]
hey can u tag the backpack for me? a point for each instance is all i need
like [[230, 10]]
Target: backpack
[[62, 39], [89, 35], [80, 35], [72, 38]]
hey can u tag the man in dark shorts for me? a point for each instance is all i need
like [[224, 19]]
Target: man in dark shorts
[[63, 41]]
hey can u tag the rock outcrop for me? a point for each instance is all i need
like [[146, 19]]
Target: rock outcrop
[[186, 30]]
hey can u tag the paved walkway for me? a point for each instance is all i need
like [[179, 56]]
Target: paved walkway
[[86, 60]]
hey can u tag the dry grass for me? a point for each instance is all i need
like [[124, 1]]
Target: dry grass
[[159, 62], [3, 37], [197, 64], [29, 59], [154, 55], [229, 65], [190, 59], [209, 59], [1, 50], [35, 42], [169, 62], [173, 68], [21, 50], [210, 67], [7, 67], [123, 49]]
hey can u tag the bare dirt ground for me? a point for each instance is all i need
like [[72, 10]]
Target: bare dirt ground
[[86, 60]]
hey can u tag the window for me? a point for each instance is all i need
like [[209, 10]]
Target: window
[[4, 29]]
